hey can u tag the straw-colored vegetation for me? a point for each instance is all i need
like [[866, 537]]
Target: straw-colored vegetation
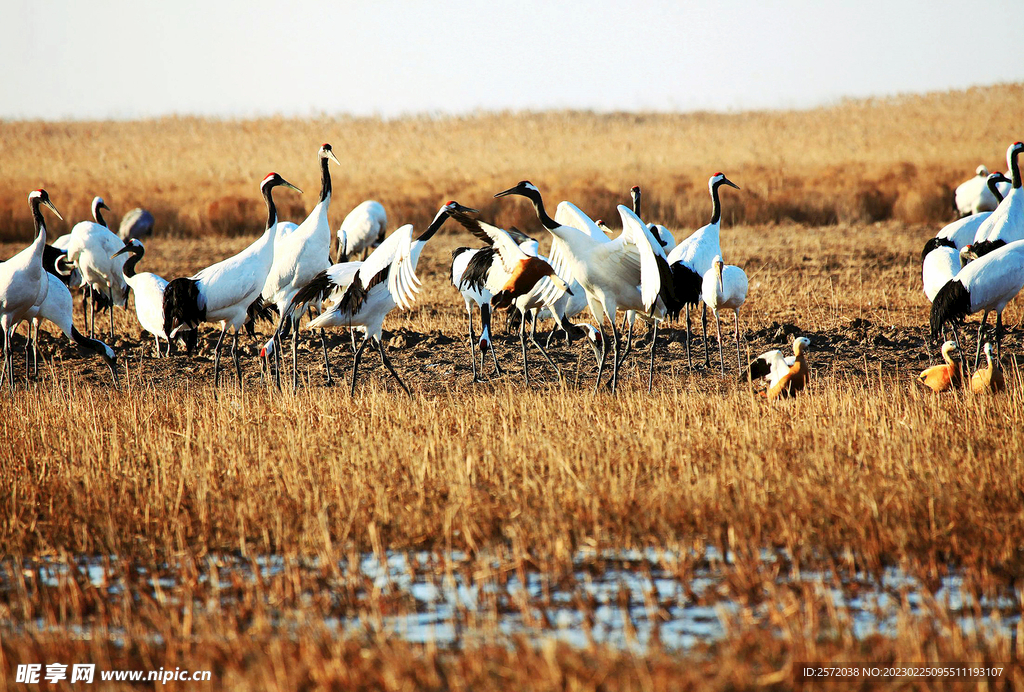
[[794, 513]]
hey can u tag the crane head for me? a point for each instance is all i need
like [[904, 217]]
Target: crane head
[[524, 188], [326, 152], [720, 179], [273, 180], [41, 196]]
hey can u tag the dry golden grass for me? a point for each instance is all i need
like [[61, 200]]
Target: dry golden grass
[[499, 481], [857, 161]]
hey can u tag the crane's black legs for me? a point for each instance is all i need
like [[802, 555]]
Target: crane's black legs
[[977, 354], [295, 356], [601, 360], [391, 369], [704, 331], [216, 356], [718, 327], [234, 357], [327, 362], [472, 344], [485, 327], [522, 343], [615, 357], [689, 360], [533, 338], [355, 362], [110, 297], [629, 337]]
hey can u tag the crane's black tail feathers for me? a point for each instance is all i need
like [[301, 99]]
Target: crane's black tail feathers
[[317, 290], [258, 311], [181, 305], [951, 305], [687, 285], [475, 275]]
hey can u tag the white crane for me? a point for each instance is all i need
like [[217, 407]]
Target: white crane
[[985, 285], [90, 249], [961, 232], [1006, 224], [57, 308], [363, 229], [23, 282], [468, 274], [696, 253], [725, 288], [363, 293], [516, 278], [149, 293], [976, 195], [667, 242], [298, 258], [615, 274], [224, 292]]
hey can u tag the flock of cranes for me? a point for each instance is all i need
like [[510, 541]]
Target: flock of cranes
[[975, 264]]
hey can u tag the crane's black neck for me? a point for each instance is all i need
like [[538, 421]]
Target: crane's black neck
[[434, 226], [538, 206], [716, 204], [268, 195], [994, 189], [325, 179], [37, 217], [636, 203], [135, 253], [1015, 169], [97, 214]]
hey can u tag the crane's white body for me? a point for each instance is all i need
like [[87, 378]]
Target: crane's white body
[[149, 301], [962, 232], [305, 251], [939, 266], [363, 228], [994, 279], [699, 249], [228, 288], [1006, 223], [730, 294], [23, 284], [399, 254], [614, 274], [90, 249], [974, 197]]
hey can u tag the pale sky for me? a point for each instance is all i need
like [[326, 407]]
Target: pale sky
[[96, 59]]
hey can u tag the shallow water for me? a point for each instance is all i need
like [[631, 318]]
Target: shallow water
[[623, 598]]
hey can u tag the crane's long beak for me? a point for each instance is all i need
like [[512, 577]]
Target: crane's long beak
[[510, 191], [332, 157], [466, 210], [126, 248], [726, 181], [103, 205], [53, 209], [287, 184]]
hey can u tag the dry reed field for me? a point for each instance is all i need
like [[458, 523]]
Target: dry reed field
[[503, 536]]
